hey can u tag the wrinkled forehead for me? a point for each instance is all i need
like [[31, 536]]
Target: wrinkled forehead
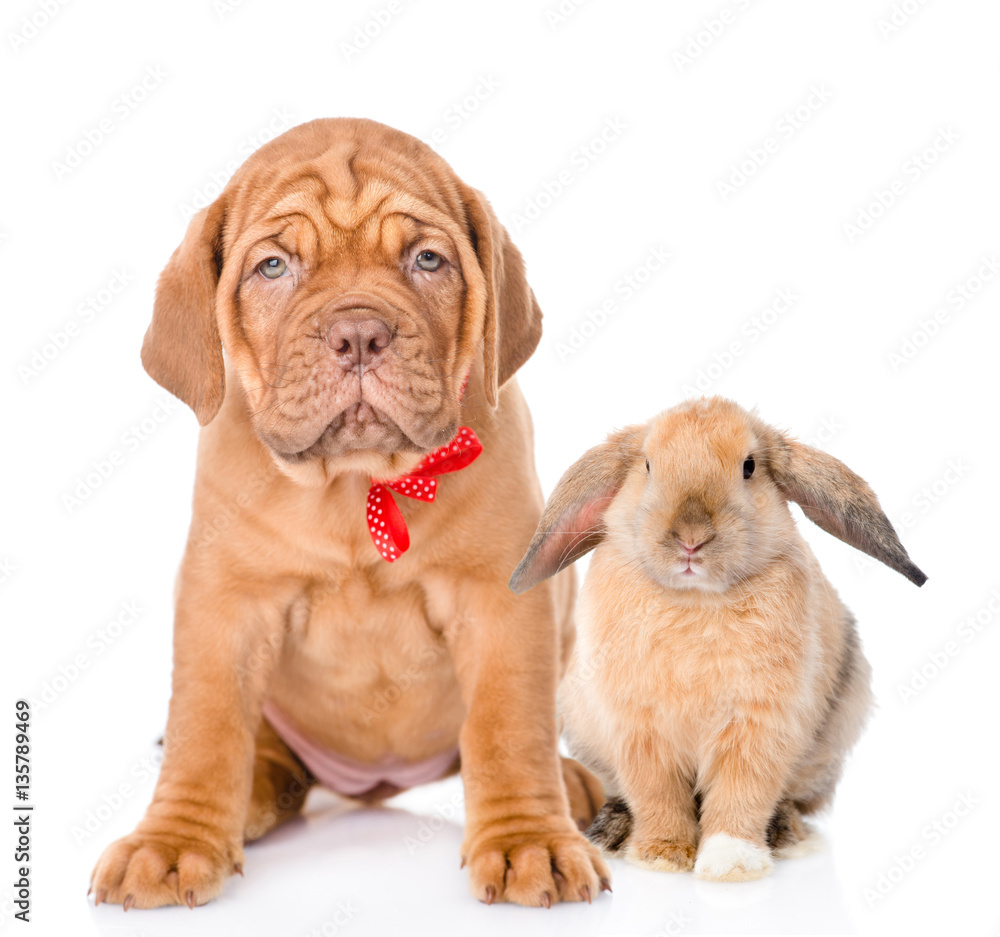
[[351, 189]]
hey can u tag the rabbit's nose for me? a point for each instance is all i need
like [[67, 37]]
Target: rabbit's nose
[[691, 548]]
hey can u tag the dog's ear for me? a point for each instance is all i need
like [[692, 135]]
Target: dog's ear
[[572, 523], [512, 320], [841, 502], [182, 350]]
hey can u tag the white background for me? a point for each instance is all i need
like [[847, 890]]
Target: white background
[[822, 368]]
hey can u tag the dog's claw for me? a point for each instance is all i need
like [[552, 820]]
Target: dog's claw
[[585, 893], [89, 890], [491, 894], [605, 885], [99, 897], [462, 866], [546, 899], [190, 899], [238, 868], [128, 902]]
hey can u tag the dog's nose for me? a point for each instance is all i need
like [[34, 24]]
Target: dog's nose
[[359, 342]]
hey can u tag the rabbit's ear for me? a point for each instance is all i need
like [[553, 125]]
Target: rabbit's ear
[[572, 523], [840, 502]]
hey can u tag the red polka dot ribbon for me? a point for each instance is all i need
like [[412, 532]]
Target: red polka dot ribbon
[[385, 520]]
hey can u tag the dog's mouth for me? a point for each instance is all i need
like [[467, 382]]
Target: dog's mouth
[[359, 427]]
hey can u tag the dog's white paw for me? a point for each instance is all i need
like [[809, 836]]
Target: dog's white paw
[[724, 858]]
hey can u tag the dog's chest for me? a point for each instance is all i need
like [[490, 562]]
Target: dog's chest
[[361, 634], [376, 672]]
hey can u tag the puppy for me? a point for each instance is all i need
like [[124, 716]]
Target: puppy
[[345, 320]]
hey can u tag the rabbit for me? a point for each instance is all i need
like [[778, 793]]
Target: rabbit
[[717, 682]]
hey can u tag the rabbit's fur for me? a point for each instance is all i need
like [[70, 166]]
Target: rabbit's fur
[[718, 681]]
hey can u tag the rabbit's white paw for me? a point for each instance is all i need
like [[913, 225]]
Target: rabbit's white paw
[[724, 858]]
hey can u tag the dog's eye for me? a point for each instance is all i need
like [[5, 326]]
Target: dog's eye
[[647, 465], [272, 268], [429, 261], [748, 466]]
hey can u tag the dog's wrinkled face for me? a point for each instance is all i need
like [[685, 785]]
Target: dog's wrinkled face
[[350, 320], [356, 285]]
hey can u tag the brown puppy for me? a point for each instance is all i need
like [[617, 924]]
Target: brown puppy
[[355, 285]]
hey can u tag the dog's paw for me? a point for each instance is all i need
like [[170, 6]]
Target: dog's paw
[[724, 858], [548, 862], [145, 871], [585, 792], [662, 855]]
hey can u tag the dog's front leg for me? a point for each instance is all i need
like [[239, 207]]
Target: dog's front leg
[[520, 843], [226, 641]]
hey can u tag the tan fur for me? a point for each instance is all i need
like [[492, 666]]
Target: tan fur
[[723, 700], [282, 594]]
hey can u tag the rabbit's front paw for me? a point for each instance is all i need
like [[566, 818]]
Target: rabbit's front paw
[[724, 858], [663, 855]]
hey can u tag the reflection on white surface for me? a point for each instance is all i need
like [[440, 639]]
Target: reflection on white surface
[[344, 871]]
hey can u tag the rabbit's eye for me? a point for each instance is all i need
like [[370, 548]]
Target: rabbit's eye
[[748, 466]]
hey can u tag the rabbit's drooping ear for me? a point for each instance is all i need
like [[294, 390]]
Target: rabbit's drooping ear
[[572, 523], [842, 503]]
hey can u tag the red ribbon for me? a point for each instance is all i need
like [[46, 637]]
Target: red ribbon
[[385, 520]]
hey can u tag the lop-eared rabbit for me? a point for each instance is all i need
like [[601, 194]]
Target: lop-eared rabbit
[[718, 681]]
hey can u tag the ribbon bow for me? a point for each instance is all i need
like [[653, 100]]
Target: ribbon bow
[[385, 520]]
